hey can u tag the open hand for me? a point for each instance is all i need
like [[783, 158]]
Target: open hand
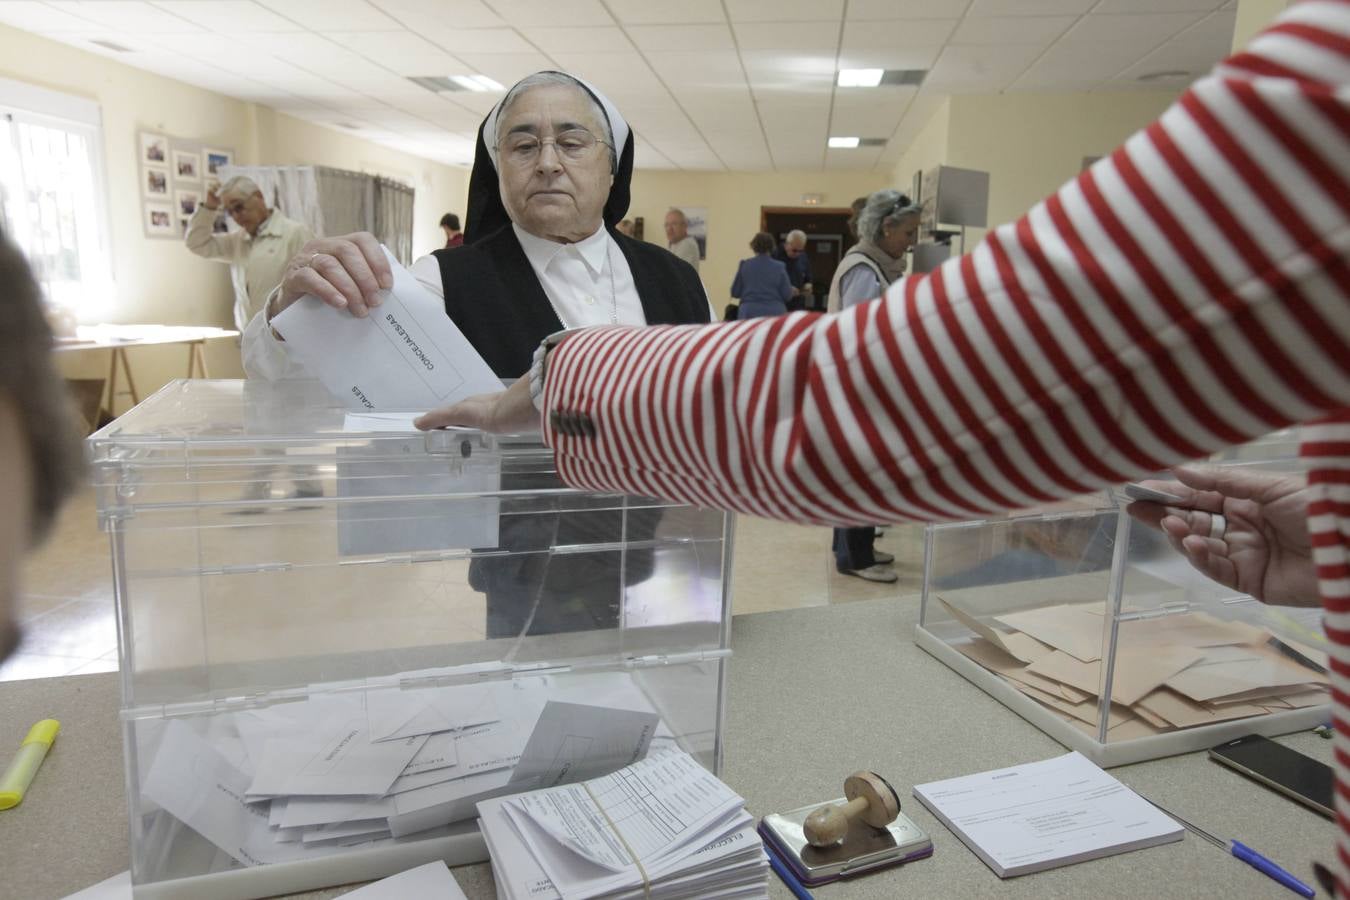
[[1263, 548], [509, 412]]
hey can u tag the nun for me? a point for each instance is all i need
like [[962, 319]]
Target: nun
[[541, 253]]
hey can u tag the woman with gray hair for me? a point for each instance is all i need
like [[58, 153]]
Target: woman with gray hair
[[887, 227]]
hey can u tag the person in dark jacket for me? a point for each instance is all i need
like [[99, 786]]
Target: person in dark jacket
[[761, 282]]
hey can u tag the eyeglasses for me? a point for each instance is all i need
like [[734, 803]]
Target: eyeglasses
[[575, 144]]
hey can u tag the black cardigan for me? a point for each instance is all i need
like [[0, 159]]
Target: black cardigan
[[493, 296]]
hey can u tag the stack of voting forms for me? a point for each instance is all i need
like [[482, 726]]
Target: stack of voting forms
[[338, 635], [1090, 626], [662, 828]]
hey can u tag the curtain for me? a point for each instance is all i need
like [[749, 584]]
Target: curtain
[[338, 201], [292, 189]]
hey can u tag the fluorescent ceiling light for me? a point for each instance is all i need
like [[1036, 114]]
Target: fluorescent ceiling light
[[479, 83], [860, 77], [842, 143]]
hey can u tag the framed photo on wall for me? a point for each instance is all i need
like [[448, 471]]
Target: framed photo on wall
[[155, 182], [697, 217], [154, 149], [186, 202], [160, 220], [214, 159], [187, 166]]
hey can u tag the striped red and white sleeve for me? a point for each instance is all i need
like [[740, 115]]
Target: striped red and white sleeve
[[1188, 292], [1326, 446]]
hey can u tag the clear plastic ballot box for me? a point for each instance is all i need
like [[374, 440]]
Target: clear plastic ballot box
[[337, 634], [1090, 626]]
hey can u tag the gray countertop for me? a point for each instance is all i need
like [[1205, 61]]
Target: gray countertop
[[814, 694]]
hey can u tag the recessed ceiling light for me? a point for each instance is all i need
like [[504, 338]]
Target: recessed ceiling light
[[456, 83], [478, 83], [1165, 75], [843, 143], [860, 77]]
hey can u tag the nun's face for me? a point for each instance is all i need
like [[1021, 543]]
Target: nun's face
[[552, 164]]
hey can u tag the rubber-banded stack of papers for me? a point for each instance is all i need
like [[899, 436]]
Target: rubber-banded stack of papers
[[664, 828]]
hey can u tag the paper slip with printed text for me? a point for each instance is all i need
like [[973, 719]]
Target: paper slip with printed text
[[406, 354], [1037, 816]]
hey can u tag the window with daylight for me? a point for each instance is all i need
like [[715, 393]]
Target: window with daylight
[[52, 194]]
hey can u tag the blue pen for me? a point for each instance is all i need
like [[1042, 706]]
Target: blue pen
[[789, 878], [1246, 854]]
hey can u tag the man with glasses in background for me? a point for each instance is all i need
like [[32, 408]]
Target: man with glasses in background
[[793, 255]]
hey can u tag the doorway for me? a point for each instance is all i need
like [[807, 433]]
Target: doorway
[[827, 239]]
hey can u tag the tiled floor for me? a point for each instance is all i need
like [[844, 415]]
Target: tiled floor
[[67, 610]]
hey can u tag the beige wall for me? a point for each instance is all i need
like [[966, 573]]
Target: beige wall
[[733, 201], [928, 149], [159, 280], [1030, 144], [1252, 16]]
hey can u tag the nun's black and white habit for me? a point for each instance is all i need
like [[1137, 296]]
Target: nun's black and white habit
[[492, 292]]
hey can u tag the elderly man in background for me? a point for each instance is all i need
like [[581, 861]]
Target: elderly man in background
[[793, 255], [258, 253], [678, 238]]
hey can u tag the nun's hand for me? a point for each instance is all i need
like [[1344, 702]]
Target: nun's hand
[[509, 412], [346, 272]]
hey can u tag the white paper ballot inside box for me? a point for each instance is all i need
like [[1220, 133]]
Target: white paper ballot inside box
[[406, 354]]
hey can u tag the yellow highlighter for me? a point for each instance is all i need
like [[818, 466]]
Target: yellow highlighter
[[25, 765]]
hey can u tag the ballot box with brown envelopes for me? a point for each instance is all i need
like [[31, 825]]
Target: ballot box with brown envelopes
[[1095, 630], [337, 634]]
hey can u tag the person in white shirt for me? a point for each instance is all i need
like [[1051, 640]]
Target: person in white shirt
[[550, 181], [678, 238], [258, 253]]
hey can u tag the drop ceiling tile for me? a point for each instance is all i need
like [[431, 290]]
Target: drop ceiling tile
[[563, 13], [881, 10], [1012, 29], [1071, 66], [40, 18], [476, 40], [133, 17], [1149, 30], [506, 68], [233, 16], [1194, 58], [892, 58], [664, 12], [325, 15], [961, 69], [693, 68], [1216, 28], [646, 156], [666, 38], [798, 159], [1029, 7], [860, 36], [579, 40], [401, 52], [1138, 7], [784, 10], [418, 15], [799, 37]]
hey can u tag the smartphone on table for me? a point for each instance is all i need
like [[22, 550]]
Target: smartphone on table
[[1300, 778]]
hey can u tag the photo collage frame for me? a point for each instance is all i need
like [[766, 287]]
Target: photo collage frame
[[175, 177]]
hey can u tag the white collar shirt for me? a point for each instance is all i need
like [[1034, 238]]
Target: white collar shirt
[[587, 282]]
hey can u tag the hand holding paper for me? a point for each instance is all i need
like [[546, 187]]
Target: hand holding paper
[[406, 355]]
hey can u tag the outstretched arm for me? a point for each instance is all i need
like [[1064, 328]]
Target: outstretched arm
[[1188, 292]]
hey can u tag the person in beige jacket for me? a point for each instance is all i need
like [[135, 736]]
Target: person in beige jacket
[[257, 253]]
